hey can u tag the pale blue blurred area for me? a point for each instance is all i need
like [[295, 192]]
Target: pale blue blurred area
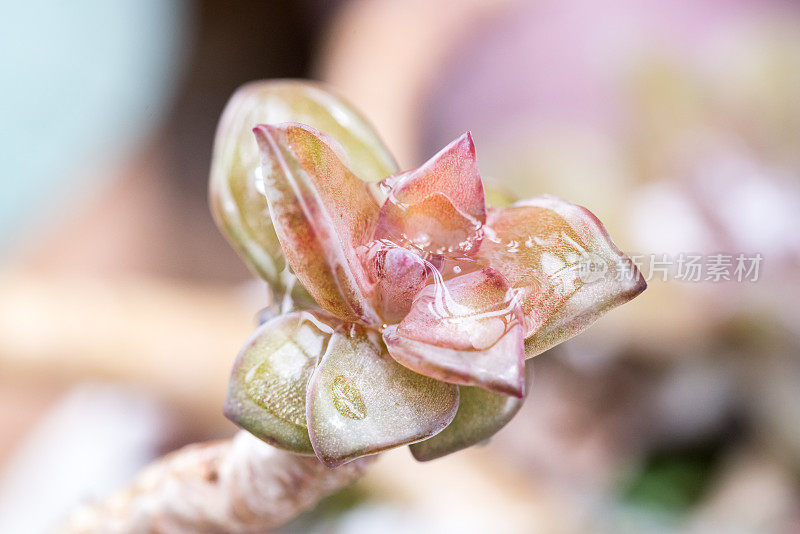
[[82, 81]]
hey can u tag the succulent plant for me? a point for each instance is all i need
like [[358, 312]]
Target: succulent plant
[[412, 305]]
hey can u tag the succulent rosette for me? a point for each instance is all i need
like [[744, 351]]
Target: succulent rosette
[[409, 307]]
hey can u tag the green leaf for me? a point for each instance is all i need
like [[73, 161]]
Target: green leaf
[[360, 401], [481, 413], [239, 207], [267, 390]]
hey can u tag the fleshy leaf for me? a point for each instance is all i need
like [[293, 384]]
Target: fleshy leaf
[[360, 401], [267, 390], [480, 415], [467, 330], [399, 275], [237, 200], [322, 212], [439, 207], [564, 264]]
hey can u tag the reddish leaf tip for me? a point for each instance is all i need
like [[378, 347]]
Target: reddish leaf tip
[[465, 142], [265, 130], [265, 137]]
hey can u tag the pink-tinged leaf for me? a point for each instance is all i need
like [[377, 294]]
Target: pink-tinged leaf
[[321, 212], [562, 261], [360, 401], [467, 330], [480, 415], [267, 390], [237, 203], [439, 207], [398, 274]]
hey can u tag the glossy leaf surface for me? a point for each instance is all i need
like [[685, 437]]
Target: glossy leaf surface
[[438, 207], [480, 415], [399, 276], [562, 261], [267, 390], [467, 330], [322, 213], [360, 401], [237, 197]]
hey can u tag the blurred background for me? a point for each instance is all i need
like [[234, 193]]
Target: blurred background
[[676, 122]]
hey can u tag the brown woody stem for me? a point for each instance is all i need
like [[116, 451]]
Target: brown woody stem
[[240, 485]]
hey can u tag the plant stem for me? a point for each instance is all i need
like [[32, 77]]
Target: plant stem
[[240, 485]]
